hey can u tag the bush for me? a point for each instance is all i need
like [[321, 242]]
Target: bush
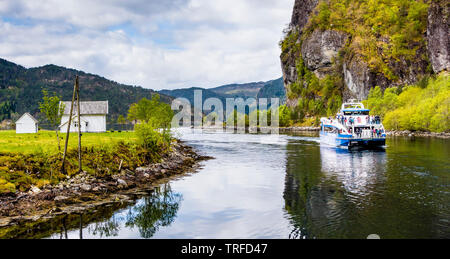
[[150, 138], [6, 187], [417, 108], [285, 116]]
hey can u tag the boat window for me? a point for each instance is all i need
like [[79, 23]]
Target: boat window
[[358, 113]]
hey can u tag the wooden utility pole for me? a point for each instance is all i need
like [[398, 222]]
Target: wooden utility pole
[[80, 169], [75, 97], [63, 169]]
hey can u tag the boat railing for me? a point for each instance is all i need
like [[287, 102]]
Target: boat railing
[[350, 129]]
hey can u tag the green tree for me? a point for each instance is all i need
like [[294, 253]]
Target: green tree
[[153, 115], [53, 109], [422, 107], [153, 111], [285, 116], [132, 113], [121, 121]]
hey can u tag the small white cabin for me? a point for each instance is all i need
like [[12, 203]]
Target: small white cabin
[[93, 117], [26, 124]]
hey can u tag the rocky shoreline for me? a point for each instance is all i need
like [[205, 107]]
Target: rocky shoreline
[[405, 133], [408, 133], [299, 129], [266, 129], [84, 192]]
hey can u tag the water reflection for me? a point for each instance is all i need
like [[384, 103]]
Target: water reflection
[[145, 217], [260, 186], [153, 212], [357, 171], [335, 193], [107, 228]]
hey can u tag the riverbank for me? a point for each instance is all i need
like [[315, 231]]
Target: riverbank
[[312, 129], [405, 133], [84, 191], [408, 133], [267, 129]]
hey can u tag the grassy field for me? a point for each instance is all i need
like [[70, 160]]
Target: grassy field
[[33, 159], [45, 141]]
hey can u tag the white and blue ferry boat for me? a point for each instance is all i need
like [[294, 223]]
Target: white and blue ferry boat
[[353, 127]]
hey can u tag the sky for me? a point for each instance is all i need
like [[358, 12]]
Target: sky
[[150, 43]]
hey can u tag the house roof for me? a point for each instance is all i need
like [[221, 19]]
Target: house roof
[[26, 114], [88, 108]]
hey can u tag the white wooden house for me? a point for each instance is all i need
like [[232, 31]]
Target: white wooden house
[[26, 124], [93, 117]]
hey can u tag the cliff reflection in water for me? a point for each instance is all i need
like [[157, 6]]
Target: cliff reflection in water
[[336, 193]]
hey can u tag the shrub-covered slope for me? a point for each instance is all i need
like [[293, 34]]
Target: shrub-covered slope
[[335, 50]]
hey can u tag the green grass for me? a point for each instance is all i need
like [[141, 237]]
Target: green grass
[[45, 141], [33, 159]]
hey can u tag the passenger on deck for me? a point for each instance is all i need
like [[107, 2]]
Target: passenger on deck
[[377, 120]]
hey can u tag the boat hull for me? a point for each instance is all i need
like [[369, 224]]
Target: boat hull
[[348, 141]]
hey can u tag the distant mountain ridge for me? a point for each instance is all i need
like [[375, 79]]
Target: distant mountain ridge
[[21, 89], [269, 89]]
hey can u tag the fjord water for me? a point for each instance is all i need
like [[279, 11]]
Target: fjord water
[[266, 186]]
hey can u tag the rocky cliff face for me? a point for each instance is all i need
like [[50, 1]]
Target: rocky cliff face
[[358, 78], [301, 13], [321, 48], [330, 51], [438, 35], [300, 16]]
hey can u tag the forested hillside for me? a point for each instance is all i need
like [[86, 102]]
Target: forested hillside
[[21, 89], [269, 89]]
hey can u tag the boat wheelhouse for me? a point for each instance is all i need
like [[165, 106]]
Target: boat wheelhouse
[[353, 126]]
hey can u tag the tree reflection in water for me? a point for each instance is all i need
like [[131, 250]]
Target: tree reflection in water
[[155, 211], [108, 228], [147, 215]]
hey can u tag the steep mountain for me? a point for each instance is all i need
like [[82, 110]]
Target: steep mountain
[[270, 89], [336, 50], [21, 89]]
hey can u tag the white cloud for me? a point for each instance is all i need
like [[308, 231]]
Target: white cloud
[[155, 44]]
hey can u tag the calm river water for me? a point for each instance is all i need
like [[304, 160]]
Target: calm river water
[[263, 186]]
